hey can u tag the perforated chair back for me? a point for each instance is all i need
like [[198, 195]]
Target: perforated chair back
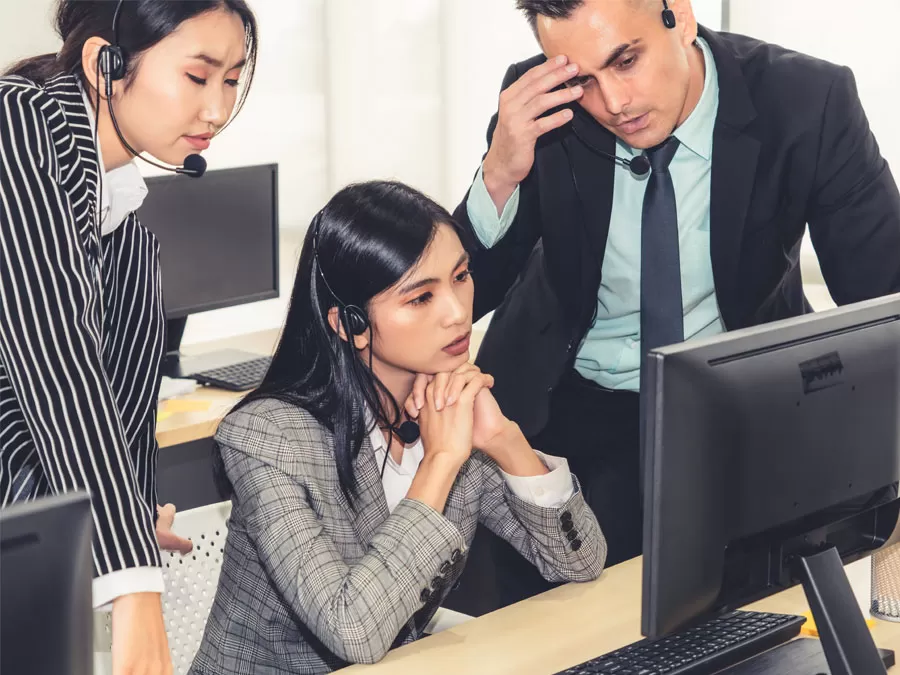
[[191, 582]]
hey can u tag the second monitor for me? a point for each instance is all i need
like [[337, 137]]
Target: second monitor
[[218, 240]]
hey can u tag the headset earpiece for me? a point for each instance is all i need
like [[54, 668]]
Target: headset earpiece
[[357, 321], [668, 16], [112, 57], [112, 62]]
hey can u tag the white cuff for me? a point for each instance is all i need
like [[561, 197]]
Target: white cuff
[[550, 490], [124, 582], [482, 212]]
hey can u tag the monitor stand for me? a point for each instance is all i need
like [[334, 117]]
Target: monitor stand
[[845, 645], [175, 364]]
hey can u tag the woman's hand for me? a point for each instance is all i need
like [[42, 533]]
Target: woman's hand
[[488, 420], [168, 540], [446, 419], [446, 432], [492, 432]]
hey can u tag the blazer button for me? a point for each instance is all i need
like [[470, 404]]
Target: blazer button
[[566, 517], [576, 544], [445, 568], [455, 556], [568, 526], [571, 535], [435, 583], [425, 595]]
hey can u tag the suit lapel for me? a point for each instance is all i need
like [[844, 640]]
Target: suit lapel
[[734, 159], [733, 173], [589, 206]]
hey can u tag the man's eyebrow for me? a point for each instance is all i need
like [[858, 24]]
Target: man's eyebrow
[[618, 51]]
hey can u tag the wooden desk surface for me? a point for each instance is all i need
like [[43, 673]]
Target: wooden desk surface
[[558, 629], [184, 427]]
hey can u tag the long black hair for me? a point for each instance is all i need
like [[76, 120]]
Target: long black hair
[[141, 25], [365, 240]]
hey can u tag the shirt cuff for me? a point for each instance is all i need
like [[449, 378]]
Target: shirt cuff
[[488, 226], [125, 582], [550, 490]]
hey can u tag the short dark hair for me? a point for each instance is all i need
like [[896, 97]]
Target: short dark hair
[[555, 9]]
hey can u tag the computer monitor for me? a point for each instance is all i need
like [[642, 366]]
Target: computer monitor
[[771, 457], [218, 239], [45, 586]]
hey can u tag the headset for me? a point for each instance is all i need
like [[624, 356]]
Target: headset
[[356, 322], [354, 318], [668, 16], [113, 64]]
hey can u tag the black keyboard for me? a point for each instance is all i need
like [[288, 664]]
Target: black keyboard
[[706, 648], [236, 377]]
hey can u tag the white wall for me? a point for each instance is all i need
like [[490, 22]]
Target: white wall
[[28, 33]]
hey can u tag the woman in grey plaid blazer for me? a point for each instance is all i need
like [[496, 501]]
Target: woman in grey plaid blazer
[[350, 525]]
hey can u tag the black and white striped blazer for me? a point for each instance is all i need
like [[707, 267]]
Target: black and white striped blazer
[[81, 328]]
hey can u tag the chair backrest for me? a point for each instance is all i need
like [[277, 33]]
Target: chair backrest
[[191, 582]]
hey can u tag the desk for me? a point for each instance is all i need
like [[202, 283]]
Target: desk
[[558, 629]]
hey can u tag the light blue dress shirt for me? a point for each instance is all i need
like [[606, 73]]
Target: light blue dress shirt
[[610, 352]]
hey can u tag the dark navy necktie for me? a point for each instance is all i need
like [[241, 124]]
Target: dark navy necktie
[[662, 313]]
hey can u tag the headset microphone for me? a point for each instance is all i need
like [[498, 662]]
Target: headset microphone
[[408, 432], [638, 166]]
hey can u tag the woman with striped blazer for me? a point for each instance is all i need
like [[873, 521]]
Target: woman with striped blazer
[[81, 317], [350, 526]]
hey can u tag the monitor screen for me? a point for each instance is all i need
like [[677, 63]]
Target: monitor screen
[[45, 586], [218, 237], [762, 445]]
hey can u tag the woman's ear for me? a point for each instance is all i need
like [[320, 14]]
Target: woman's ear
[[334, 320], [90, 54]]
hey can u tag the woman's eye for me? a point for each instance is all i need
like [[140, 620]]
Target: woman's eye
[[421, 300]]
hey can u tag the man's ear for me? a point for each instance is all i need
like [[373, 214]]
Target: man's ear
[[685, 21], [334, 320]]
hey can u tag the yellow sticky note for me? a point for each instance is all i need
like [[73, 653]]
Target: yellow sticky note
[[162, 415], [177, 405], [809, 628]]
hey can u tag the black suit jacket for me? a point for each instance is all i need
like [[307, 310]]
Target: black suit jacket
[[791, 146]]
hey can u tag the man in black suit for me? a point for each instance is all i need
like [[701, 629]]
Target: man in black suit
[[649, 181]]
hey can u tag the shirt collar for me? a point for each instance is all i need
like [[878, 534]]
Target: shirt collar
[[696, 132], [124, 189]]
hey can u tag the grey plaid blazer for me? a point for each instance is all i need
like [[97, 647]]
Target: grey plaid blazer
[[309, 584]]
